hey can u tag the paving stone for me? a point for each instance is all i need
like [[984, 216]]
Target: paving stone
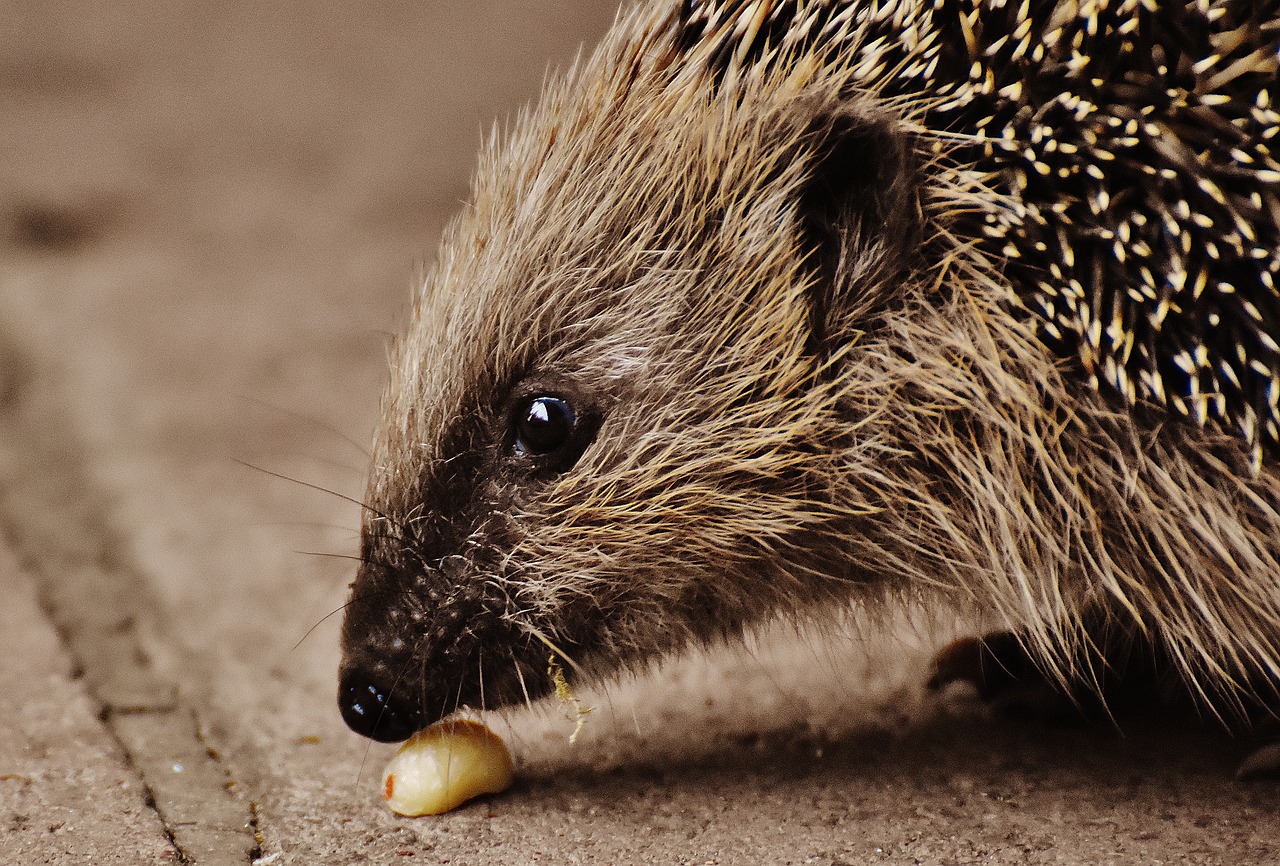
[[68, 794]]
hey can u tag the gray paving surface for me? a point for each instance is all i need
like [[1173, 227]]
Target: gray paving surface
[[210, 218]]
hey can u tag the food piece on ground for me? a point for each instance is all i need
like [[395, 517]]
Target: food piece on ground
[[440, 768]]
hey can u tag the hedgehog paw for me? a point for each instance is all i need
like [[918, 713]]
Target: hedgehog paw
[[1004, 676], [1262, 763]]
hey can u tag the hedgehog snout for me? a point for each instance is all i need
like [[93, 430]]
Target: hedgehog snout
[[379, 678], [413, 645], [372, 707]]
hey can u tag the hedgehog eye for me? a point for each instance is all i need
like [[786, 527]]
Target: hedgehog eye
[[544, 425]]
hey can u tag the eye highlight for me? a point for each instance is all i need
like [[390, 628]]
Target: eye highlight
[[544, 425]]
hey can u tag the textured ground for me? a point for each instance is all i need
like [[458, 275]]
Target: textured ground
[[210, 218]]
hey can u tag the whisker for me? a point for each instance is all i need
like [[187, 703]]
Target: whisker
[[314, 422], [317, 461], [303, 524], [390, 691], [318, 487], [364, 759], [457, 697], [520, 676], [350, 601], [328, 555]]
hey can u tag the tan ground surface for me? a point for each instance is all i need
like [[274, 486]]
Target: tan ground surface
[[210, 218]]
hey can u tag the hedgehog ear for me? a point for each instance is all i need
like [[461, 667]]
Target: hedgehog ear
[[860, 220]]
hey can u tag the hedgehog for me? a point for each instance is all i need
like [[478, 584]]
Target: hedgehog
[[768, 307]]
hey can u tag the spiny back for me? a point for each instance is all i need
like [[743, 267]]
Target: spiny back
[[1122, 149]]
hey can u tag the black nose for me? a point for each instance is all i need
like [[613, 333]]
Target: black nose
[[369, 709]]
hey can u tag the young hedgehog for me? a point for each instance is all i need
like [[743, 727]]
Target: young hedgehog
[[771, 305]]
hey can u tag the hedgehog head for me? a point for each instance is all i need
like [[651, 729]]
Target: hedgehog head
[[612, 422]]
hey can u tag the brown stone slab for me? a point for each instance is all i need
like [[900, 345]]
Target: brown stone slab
[[190, 787], [97, 599], [68, 794]]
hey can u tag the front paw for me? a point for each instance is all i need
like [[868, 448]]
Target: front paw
[[1264, 761], [1005, 676]]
